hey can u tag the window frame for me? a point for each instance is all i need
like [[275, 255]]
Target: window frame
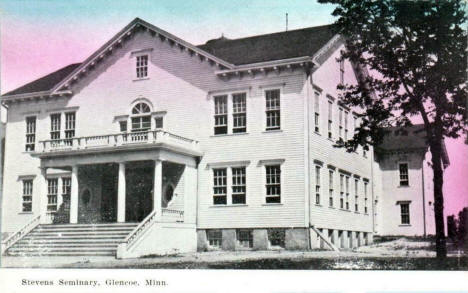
[[218, 239], [330, 119], [30, 144], [243, 185], [340, 123], [405, 215], [249, 238], [277, 109], [236, 113], [278, 184], [318, 192], [55, 127], [331, 175], [52, 194], [221, 112], [317, 95], [219, 185], [400, 175], [356, 195], [142, 68], [27, 195]]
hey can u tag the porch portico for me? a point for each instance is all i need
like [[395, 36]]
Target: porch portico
[[124, 183]]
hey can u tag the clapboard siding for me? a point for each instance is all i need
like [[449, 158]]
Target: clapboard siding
[[321, 149]]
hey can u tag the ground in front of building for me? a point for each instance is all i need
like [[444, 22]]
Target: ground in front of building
[[400, 254]]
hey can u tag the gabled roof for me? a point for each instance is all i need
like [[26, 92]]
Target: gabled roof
[[410, 137], [45, 83], [407, 138], [270, 47], [225, 53]]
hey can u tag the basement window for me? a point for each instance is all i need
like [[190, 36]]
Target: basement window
[[215, 238], [245, 238], [277, 237]]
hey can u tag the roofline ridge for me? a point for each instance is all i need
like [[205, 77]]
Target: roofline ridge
[[269, 34]]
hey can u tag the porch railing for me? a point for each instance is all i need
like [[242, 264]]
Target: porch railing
[[18, 235], [139, 230], [119, 139]]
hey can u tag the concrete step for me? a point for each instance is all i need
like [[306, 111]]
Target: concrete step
[[100, 225], [73, 239], [63, 253], [79, 229], [85, 240], [49, 245], [73, 233]]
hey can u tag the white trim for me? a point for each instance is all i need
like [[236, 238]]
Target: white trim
[[269, 162], [62, 110], [141, 52], [26, 177], [229, 164]]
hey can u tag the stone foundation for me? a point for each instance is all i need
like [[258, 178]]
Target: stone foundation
[[295, 239]]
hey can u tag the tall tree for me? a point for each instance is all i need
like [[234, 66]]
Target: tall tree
[[415, 52]]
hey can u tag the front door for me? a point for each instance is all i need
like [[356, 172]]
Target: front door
[[87, 213]]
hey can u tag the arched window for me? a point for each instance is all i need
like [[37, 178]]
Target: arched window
[[141, 117]]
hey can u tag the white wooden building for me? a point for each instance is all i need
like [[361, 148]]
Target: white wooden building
[[153, 145]]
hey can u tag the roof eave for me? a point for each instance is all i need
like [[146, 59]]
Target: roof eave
[[29, 96]]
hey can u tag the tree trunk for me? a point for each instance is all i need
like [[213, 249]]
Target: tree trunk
[[436, 152]]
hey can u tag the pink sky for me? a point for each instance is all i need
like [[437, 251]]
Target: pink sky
[[36, 44]]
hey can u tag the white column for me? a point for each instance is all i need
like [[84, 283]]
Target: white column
[[59, 192], [121, 194], [43, 196], [157, 189], [74, 195]]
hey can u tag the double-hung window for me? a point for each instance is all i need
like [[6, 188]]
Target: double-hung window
[[70, 126], [27, 195], [273, 109], [365, 197], [273, 184], [340, 126], [66, 188], [220, 186], [239, 113], [317, 111], [330, 188], [30, 133], [142, 66], [356, 195], [330, 119], [347, 191], [404, 179], [221, 115], [405, 213], [238, 185], [55, 121], [317, 184], [52, 190], [341, 191], [346, 125]]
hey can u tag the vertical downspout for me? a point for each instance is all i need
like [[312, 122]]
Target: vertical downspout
[[423, 198], [307, 156]]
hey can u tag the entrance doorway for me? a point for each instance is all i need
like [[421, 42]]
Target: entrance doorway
[[139, 184]]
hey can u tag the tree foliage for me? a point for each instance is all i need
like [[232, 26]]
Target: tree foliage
[[416, 54]]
